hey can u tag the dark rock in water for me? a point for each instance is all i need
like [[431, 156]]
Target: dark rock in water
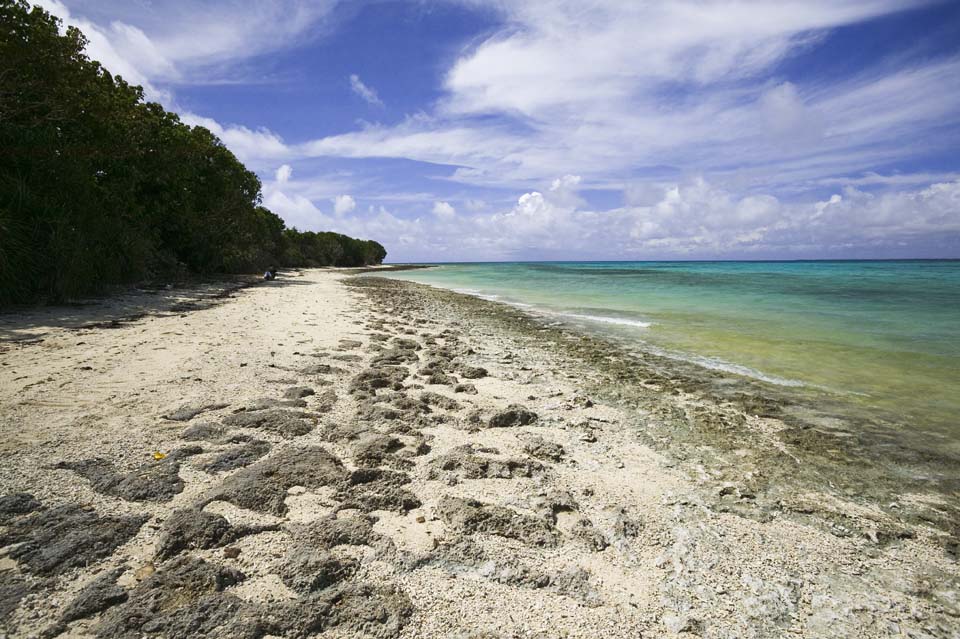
[[373, 379], [298, 392], [52, 541], [469, 389], [440, 401], [186, 529], [100, 594], [473, 372], [463, 461], [206, 431], [347, 357], [263, 486], [350, 610], [189, 411], [286, 423], [156, 480], [307, 570], [543, 449], [375, 489], [185, 598], [512, 415], [13, 588], [16, 504], [238, 457], [471, 516], [270, 402]]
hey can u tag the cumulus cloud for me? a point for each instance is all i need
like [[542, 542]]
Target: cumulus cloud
[[343, 204], [283, 174], [688, 218], [444, 210], [369, 94]]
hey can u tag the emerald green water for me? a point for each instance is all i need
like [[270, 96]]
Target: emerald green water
[[883, 334]]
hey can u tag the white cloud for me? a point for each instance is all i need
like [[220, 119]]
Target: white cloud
[[343, 204], [256, 148], [688, 218], [444, 210], [168, 42], [284, 173], [366, 92]]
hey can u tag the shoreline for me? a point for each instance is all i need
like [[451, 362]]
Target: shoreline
[[625, 497]]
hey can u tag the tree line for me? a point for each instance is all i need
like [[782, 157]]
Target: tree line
[[99, 187]]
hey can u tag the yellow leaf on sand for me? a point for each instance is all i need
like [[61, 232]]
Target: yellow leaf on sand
[[158, 455]]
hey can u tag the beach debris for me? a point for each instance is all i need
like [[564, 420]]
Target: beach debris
[[13, 588], [463, 556], [238, 457], [471, 516], [263, 486], [512, 415], [158, 480], [192, 528], [373, 379], [332, 531], [186, 598], [157, 455], [395, 357], [189, 411], [298, 392], [472, 372], [370, 489], [16, 504], [51, 541], [440, 401], [538, 447], [466, 464], [203, 431], [307, 569], [286, 423], [350, 610], [264, 403]]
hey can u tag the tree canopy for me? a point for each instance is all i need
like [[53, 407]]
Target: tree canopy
[[100, 187]]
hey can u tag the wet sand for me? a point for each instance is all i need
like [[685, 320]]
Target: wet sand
[[343, 457]]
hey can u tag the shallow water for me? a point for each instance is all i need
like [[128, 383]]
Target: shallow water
[[881, 334]]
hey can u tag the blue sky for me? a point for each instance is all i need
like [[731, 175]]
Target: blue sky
[[462, 130]]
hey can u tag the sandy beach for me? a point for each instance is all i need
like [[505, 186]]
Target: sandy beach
[[341, 456]]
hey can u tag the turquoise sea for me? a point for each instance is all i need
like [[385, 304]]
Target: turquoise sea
[[882, 334]]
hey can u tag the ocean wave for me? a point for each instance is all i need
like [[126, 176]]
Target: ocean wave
[[604, 319], [717, 364]]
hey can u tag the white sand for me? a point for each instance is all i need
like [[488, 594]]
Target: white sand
[[75, 394]]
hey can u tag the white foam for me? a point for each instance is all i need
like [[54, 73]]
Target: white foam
[[603, 319], [717, 364]]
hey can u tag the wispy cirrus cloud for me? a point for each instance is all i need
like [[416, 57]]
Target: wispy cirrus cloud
[[369, 94]]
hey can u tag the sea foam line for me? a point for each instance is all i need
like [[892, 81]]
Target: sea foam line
[[603, 319]]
